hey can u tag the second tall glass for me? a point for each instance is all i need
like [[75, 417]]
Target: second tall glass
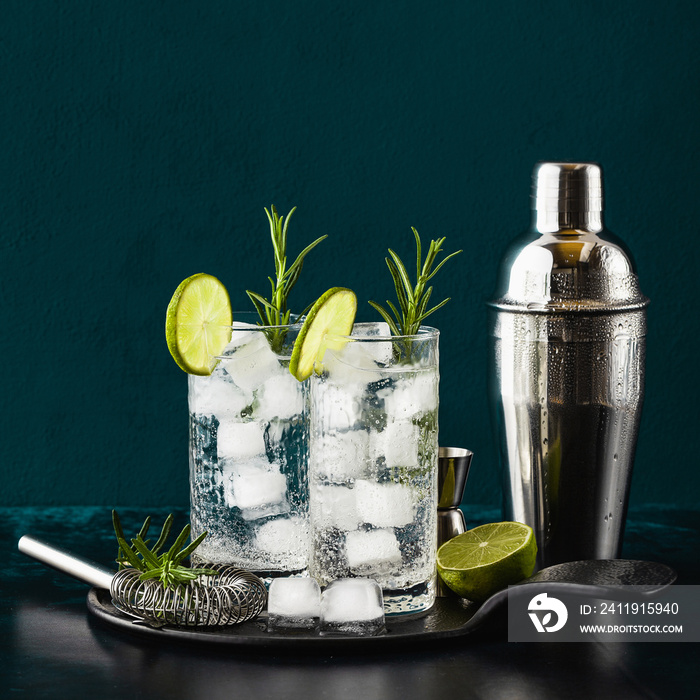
[[373, 464]]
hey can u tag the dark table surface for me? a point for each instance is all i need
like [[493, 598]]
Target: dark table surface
[[53, 648]]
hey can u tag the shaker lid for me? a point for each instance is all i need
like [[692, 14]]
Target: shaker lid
[[563, 268], [562, 187]]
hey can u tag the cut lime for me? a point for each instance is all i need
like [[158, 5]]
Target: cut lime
[[484, 560], [332, 314], [198, 323]]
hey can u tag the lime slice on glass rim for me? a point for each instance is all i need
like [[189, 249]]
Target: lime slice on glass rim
[[198, 323], [332, 314], [482, 561]]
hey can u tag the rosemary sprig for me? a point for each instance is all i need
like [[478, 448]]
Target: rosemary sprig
[[412, 299], [166, 567], [274, 311]]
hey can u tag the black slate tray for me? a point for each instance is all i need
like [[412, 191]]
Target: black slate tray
[[450, 617], [447, 618]]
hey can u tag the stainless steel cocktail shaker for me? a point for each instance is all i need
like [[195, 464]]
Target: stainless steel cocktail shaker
[[567, 329]]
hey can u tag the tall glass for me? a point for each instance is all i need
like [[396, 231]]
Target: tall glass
[[373, 464], [249, 455]]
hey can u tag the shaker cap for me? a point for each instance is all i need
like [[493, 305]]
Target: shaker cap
[[568, 262], [567, 187]]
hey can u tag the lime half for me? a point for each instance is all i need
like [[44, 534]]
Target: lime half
[[484, 560], [332, 314], [198, 323]]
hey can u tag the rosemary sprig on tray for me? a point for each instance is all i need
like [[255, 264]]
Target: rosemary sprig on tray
[[165, 567], [274, 311], [413, 299]]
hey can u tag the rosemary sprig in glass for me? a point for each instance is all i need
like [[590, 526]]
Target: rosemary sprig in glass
[[274, 311], [413, 299], [166, 567]]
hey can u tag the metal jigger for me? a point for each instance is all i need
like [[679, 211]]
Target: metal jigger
[[453, 468]]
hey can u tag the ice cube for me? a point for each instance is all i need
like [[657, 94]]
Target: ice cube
[[356, 363], [340, 408], [249, 361], [280, 396], [380, 350], [373, 342], [372, 550], [373, 328], [293, 602], [384, 505], [216, 395], [255, 484], [340, 457], [397, 444], [239, 441], [241, 332], [334, 506], [408, 397], [352, 606], [286, 535]]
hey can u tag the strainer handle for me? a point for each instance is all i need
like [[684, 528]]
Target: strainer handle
[[66, 562]]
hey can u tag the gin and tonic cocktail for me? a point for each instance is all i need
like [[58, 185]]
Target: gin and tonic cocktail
[[373, 463], [314, 448], [248, 455]]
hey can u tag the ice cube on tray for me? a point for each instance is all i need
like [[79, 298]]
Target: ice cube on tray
[[293, 603], [352, 606]]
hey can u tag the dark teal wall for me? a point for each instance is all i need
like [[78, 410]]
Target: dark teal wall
[[140, 141]]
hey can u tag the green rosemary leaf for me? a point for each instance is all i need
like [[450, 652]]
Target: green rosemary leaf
[[259, 306], [433, 250], [189, 549], [126, 552], [441, 263], [130, 558], [293, 275], [276, 311], [392, 325], [181, 539], [144, 528], [304, 253], [142, 548], [420, 311], [403, 274], [435, 308], [284, 227], [151, 573], [413, 299], [116, 524], [418, 252], [166, 567], [275, 235], [267, 306], [399, 318], [164, 533], [400, 293]]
